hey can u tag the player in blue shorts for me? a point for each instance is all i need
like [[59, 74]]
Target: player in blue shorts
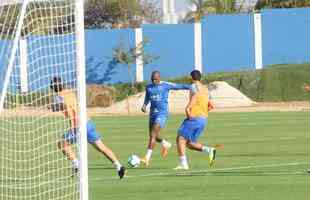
[[157, 94], [195, 123], [66, 102]]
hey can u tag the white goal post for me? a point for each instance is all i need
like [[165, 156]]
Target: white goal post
[[41, 40]]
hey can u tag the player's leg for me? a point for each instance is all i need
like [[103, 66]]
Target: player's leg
[[181, 147], [196, 127], [94, 138], [105, 150], [65, 146], [156, 123], [159, 123], [211, 151], [165, 145], [154, 130]]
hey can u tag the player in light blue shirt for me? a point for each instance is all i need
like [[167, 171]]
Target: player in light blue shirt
[[157, 94]]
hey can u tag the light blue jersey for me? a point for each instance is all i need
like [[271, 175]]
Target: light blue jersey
[[157, 95]]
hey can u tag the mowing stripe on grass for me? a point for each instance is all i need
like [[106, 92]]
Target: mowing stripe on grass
[[191, 172]]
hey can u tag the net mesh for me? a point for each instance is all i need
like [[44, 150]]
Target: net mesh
[[32, 166]]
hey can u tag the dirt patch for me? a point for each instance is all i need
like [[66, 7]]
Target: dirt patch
[[100, 96], [222, 94], [258, 107], [225, 97]]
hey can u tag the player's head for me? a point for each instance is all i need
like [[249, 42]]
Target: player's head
[[155, 78], [196, 75], [56, 84]]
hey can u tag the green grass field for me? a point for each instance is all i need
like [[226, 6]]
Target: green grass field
[[266, 156]]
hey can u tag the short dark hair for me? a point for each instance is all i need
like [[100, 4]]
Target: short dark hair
[[155, 72], [56, 84], [196, 75]]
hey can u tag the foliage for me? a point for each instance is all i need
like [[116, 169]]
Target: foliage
[[42, 18], [127, 56], [119, 13], [274, 83], [123, 90], [204, 7], [32, 99], [282, 4]]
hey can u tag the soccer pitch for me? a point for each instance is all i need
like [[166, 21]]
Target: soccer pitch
[[266, 155]]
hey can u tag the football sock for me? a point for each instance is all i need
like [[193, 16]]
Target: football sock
[[183, 160], [117, 165], [148, 154], [75, 164], [165, 143], [206, 149]]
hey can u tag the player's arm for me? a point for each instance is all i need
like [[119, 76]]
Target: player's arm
[[210, 103], [71, 114], [57, 104], [177, 86], [146, 100], [306, 88], [191, 103]]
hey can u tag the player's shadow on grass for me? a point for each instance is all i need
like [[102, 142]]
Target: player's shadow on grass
[[105, 167]]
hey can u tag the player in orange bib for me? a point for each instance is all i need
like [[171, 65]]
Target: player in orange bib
[[193, 126], [66, 101]]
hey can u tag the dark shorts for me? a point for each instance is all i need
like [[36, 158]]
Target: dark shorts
[[191, 129]]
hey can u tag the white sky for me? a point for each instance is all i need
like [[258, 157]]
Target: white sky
[[179, 4]]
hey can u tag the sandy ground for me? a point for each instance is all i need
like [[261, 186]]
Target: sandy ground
[[98, 111], [258, 107], [225, 97]]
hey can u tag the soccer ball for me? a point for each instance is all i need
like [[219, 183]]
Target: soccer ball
[[133, 161]]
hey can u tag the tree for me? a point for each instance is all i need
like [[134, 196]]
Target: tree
[[119, 13], [41, 19], [127, 56], [282, 4], [204, 7], [199, 11]]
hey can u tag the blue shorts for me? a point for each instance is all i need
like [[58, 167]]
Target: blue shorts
[[191, 129], [92, 135], [158, 119]]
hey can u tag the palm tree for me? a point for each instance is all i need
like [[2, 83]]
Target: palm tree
[[198, 12]]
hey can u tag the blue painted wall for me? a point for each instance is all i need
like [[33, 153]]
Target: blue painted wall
[[228, 43], [42, 66], [4, 45], [286, 36], [174, 44], [100, 45]]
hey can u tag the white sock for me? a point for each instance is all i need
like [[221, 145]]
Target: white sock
[[148, 154], [75, 164], [206, 149], [117, 165], [183, 161], [165, 143]]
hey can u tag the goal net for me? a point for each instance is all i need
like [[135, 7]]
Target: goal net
[[39, 40]]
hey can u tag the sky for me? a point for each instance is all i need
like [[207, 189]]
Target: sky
[[180, 4]]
